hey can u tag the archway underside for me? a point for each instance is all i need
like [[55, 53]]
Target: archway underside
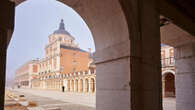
[[112, 40]]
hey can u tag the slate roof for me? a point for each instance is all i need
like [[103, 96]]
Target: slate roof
[[72, 48], [62, 29]]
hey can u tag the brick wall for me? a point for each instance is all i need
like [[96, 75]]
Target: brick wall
[[68, 57]]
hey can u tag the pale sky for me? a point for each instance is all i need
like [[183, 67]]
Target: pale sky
[[35, 20]]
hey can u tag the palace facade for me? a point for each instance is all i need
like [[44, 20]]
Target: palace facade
[[65, 66]]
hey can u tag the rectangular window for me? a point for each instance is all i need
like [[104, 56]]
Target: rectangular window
[[55, 62], [35, 69], [163, 57], [171, 54]]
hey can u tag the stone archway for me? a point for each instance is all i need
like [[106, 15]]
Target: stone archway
[[112, 41], [112, 45], [169, 85]]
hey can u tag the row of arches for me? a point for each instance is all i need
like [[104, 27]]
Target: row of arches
[[51, 84], [86, 85], [81, 85], [89, 85]]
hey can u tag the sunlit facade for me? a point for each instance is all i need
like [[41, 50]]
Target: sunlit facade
[[65, 66], [25, 74], [168, 71]]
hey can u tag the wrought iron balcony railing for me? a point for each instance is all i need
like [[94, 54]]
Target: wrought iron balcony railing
[[168, 62]]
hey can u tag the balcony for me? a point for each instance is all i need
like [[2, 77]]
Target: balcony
[[168, 62]]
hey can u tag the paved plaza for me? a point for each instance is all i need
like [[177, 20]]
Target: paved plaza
[[169, 104], [88, 99], [48, 103], [56, 100]]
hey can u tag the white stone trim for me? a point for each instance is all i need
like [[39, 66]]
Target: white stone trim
[[168, 71]]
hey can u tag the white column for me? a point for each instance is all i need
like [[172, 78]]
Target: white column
[[84, 85], [79, 85], [95, 85], [75, 85], [89, 71], [72, 85], [185, 76], [90, 86]]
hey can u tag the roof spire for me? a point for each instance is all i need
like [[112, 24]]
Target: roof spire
[[62, 25], [61, 29]]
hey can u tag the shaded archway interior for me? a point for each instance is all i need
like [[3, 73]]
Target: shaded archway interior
[[110, 36]]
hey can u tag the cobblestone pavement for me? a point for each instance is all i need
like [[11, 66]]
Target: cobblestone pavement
[[51, 104]]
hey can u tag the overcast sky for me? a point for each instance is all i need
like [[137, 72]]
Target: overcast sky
[[35, 20]]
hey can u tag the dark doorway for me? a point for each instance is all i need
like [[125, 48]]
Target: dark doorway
[[169, 85]]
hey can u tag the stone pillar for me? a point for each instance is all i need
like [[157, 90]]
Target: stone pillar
[[95, 85], [89, 72], [3, 46], [113, 77], [75, 87], [67, 85], [79, 85], [185, 76], [145, 66], [64, 82], [61, 83], [72, 85], [83, 85], [6, 28]]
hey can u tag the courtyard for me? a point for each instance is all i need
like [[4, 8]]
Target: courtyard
[[56, 100], [48, 100]]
